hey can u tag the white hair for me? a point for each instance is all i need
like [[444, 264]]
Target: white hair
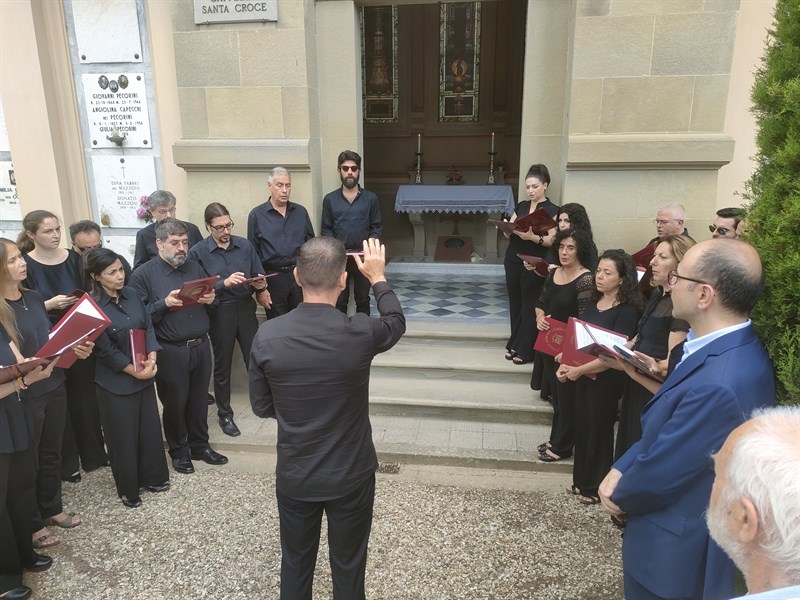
[[277, 171], [677, 211], [765, 467]]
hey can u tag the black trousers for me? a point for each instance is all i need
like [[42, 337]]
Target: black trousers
[[524, 288], [85, 440], [182, 382], [49, 412], [349, 525], [562, 435], [285, 294], [361, 289], [17, 507], [230, 322], [10, 563], [133, 434]]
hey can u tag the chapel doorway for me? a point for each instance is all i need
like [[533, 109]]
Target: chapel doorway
[[451, 73]]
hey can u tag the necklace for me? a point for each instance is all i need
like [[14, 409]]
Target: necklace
[[21, 297]]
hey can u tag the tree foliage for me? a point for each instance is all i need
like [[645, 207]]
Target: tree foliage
[[773, 224]]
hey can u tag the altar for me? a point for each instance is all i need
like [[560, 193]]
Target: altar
[[416, 199]]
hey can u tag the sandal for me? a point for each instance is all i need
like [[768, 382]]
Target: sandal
[[588, 500], [48, 540], [573, 490], [541, 448], [548, 456], [71, 520], [518, 360], [510, 354]]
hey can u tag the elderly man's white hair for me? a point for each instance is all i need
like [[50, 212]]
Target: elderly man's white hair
[[765, 467], [677, 210], [277, 171]]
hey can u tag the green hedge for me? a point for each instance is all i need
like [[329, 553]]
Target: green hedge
[[773, 225]]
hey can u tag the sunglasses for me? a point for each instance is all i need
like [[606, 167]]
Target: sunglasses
[[348, 168], [219, 228], [721, 230]]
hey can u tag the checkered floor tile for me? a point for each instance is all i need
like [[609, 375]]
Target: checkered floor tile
[[452, 298]]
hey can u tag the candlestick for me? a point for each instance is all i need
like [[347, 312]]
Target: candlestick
[[493, 141], [419, 143]]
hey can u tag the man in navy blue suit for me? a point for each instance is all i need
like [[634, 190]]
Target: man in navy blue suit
[[662, 485]]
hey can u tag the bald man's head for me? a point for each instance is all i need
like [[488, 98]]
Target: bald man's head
[[733, 269]]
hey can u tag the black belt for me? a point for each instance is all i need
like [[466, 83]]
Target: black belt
[[285, 269], [187, 343]]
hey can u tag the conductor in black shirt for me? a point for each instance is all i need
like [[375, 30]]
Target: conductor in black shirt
[[162, 206], [185, 358], [309, 370], [351, 214]]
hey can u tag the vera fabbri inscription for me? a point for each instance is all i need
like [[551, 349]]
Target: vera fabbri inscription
[[117, 110], [207, 12]]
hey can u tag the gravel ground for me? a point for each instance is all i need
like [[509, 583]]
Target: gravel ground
[[215, 535]]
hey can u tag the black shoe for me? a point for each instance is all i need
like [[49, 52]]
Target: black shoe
[[209, 456], [161, 487], [74, 478], [183, 465], [42, 564], [211, 400], [229, 427], [132, 503], [18, 593]]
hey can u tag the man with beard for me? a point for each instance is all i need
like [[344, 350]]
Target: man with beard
[[162, 206], [233, 316], [754, 514], [185, 359], [352, 214], [662, 484]]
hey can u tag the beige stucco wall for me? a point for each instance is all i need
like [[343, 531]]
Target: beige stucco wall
[[646, 106]]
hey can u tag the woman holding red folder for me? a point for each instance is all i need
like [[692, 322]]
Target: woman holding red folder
[[616, 306], [125, 383], [46, 400], [525, 286]]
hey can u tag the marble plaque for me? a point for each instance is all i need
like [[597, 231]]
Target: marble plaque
[[9, 198], [120, 182], [5, 146], [116, 104], [107, 32], [229, 11], [121, 244]]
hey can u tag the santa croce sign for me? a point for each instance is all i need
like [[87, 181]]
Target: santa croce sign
[[228, 11]]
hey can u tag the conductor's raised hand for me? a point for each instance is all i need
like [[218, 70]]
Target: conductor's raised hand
[[374, 262]]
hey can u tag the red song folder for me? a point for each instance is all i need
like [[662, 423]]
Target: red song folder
[[191, 291], [12, 372], [538, 220], [84, 321], [643, 257], [551, 341], [138, 339], [591, 339], [540, 266]]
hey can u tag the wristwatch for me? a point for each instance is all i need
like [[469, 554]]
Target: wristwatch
[[541, 240]]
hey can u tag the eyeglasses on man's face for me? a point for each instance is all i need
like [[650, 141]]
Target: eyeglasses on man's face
[[223, 227], [722, 231], [673, 277], [663, 222], [164, 211], [349, 168]]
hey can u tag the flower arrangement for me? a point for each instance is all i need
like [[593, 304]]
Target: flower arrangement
[[143, 212], [454, 177]]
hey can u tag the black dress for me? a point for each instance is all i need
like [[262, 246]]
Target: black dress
[[83, 437], [562, 302], [524, 286], [596, 404], [653, 330]]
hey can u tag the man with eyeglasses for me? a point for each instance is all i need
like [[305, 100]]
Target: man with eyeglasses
[[184, 361], [351, 214], [86, 235], [726, 224], [233, 314], [662, 485], [162, 206], [670, 220], [277, 228]]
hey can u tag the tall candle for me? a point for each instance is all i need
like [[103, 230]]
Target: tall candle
[[493, 141], [419, 143]]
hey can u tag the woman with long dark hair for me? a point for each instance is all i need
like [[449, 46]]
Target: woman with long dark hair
[[46, 400], [55, 273], [125, 385], [525, 286], [567, 292], [616, 306]]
